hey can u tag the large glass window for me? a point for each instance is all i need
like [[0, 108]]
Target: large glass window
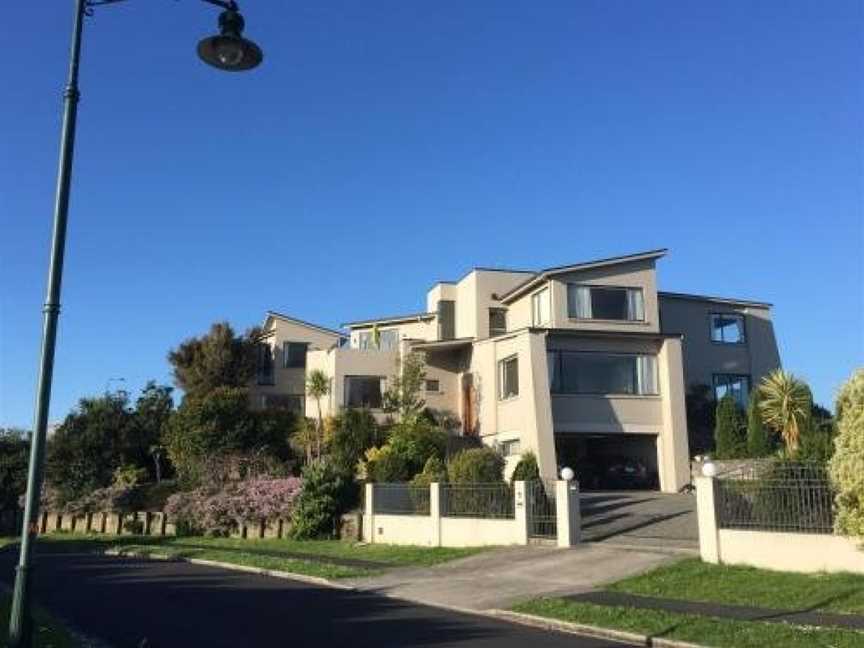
[[386, 340], [291, 402], [735, 384], [727, 328], [605, 303], [264, 365], [573, 372], [294, 355], [508, 377], [540, 307], [363, 391]]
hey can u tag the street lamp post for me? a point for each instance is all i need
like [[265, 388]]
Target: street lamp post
[[227, 51]]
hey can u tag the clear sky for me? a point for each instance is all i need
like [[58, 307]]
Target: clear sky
[[384, 145]]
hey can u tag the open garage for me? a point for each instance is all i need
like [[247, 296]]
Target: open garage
[[612, 461]]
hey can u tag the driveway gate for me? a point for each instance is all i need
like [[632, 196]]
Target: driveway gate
[[541, 510]]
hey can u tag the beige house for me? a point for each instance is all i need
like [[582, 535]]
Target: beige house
[[585, 365]]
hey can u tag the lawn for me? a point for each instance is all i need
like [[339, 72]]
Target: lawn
[[323, 558], [719, 633], [697, 581]]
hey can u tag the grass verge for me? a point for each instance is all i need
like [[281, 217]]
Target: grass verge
[[323, 558], [694, 580], [708, 631], [47, 632]]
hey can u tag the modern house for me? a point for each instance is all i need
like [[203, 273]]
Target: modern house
[[585, 364]]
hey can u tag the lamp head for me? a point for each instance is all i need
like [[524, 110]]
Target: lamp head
[[229, 50], [567, 474]]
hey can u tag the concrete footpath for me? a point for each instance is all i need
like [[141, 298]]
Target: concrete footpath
[[499, 578]]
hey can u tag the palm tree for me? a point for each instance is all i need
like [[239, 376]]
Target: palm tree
[[785, 404], [318, 386]]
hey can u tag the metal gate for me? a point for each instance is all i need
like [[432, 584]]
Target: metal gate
[[541, 510]]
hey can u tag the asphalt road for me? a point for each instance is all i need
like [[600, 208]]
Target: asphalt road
[[122, 601]]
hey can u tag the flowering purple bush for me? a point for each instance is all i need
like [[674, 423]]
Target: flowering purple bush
[[219, 512]]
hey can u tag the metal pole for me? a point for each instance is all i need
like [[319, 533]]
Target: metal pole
[[20, 620]]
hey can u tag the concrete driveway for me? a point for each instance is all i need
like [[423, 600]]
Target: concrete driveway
[[498, 578], [641, 518]]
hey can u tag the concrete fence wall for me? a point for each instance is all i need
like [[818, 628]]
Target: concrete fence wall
[[437, 530], [798, 552]]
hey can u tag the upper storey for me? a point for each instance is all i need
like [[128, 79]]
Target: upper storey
[[617, 294]]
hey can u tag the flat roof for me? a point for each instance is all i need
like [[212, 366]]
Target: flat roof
[[597, 263], [716, 300], [444, 344]]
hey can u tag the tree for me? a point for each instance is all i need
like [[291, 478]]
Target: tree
[[220, 358], [92, 442], [152, 410], [527, 468], [406, 452], [847, 465], [322, 500], [403, 393], [729, 440], [304, 438], [318, 386], [785, 404], [14, 453], [758, 440]]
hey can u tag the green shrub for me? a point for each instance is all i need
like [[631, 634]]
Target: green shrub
[[729, 440], [409, 447], [758, 438], [477, 465], [133, 526], [354, 432], [527, 468], [321, 502], [847, 464], [433, 471]]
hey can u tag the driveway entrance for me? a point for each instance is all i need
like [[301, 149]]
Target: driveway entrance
[[641, 518]]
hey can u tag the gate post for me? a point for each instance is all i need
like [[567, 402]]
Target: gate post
[[569, 517], [706, 513], [368, 515], [520, 512]]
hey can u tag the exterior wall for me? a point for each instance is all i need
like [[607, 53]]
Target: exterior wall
[[291, 380], [702, 357], [673, 448], [425, 329], [632, 274], [493, 282], [447, 368], [340, 362], [528, 416]]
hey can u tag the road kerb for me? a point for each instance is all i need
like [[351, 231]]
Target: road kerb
[[592, 631], [261, 571]]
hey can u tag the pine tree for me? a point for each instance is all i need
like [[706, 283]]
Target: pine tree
[[758, 439], [729, 440]]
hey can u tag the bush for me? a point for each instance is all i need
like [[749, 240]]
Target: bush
[[133, 526], [758, 438], [847, 464], [475, 466], [321, 502], [410, 446], [527, 468], [729, 440], [433, 472], [354, 432]]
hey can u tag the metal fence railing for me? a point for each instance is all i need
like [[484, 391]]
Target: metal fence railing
[[400, 499], [786, 497], [494, 501]]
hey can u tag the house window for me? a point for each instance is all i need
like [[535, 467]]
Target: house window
[[510, 448], [605, 303], [433, 386], [736, 385], [264, 365], [294, 355], [540, 307], [386, 340], [363, 391], [602, 373], [446, 319], [508, 377], [497, 321], [291, 402], [727, 328]]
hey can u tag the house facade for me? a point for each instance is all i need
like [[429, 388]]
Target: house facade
[[586, 365]]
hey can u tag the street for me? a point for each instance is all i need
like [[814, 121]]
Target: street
[[123, 601]]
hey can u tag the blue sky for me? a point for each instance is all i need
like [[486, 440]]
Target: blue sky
[[386, 145]]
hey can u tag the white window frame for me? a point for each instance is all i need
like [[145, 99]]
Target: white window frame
[[540, 299], [504, 394]]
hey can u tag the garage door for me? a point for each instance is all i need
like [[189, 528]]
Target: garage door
[[610, 461]]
